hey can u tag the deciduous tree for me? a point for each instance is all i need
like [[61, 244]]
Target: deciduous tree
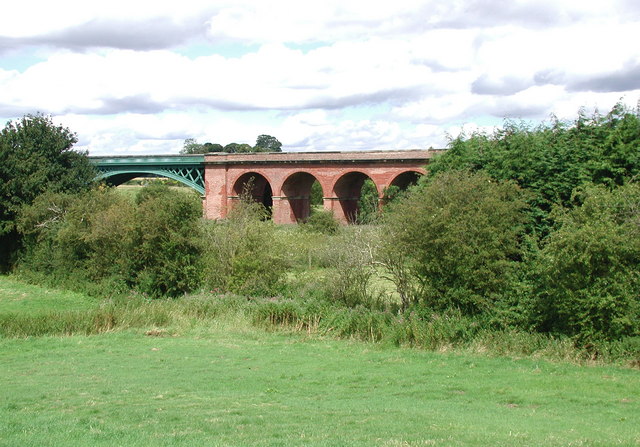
[[36, 155], [267, 143]]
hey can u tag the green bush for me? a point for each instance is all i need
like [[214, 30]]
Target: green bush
[[100, 240], [454, 242], [552, 159], [167, 243], [368, 204], [84, 239], [350, 258], [36, 156], [587, 275], [242, 254], [321, 221]]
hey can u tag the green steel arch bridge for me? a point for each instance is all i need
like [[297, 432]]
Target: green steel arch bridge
[[187, 169]]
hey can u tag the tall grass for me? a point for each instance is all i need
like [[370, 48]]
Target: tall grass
[[436, 332]]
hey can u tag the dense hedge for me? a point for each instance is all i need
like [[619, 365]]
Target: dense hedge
[[109, 242]]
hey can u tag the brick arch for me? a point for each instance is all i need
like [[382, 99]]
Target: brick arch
[[405, 179], [331, 169], [345, 194], [261, 190], [295, 194]]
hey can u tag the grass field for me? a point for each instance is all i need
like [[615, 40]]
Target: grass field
[[229, 384], [18, 297]]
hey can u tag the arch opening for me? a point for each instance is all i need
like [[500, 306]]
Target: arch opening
[[297, 190], [401, 183], [348, 191], [406, 179], [257, 187]]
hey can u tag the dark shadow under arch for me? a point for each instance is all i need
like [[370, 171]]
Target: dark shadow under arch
[[348, 190], [296, 189], [257, 187], [406, 179]]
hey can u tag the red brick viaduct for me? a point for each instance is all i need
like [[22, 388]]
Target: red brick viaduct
[[283, 181]]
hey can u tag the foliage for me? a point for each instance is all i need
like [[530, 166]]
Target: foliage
[[102, 238], [368, 204], [350, 258], [588, 273], [35, 156], [316, 196], [191, 146], [78, 238], [267, 143], [237, 148], [552, 159], [241, 253], [322, 221], [166, 245], [31, 311], [390, 194], [453, 242], [264, 143]]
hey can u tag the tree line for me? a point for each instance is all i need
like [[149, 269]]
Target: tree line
[[264, 143]]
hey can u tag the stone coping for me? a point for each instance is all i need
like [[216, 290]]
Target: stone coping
[[320, 157]]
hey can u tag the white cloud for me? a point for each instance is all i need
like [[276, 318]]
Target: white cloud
[[118, 72]]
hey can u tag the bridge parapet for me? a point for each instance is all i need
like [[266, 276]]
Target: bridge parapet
[[413, 155]]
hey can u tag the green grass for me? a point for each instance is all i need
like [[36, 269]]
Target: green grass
[[131, 191], [18, 297], [221, 381], [223, 386]]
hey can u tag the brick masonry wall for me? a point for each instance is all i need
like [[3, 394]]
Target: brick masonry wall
[[222, 172]]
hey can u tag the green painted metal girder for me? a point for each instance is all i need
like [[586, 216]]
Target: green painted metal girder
[[187, 169]]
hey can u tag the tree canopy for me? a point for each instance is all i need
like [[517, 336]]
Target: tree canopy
[[267, 143], [36, 156], [552, 159], [586, 276], [264, 143], [534, 227], [452, 242]]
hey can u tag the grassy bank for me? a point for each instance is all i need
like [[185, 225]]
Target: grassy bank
[[203, 371], [58, 313]]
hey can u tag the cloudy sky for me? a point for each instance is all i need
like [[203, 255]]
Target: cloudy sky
[[135, 77]]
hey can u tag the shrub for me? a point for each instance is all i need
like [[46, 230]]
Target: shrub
[[82, 238], [100, 239], [587, 275], [368, 204], [242, 254], [167, 243], [35, 156], [552, 159], [321, 221], [454, 242], [350, 258]]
